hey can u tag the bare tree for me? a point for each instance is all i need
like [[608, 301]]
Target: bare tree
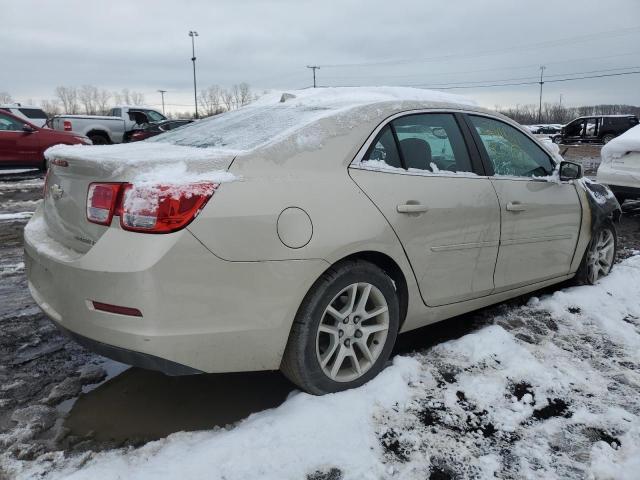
[[87, 96], [5, 97], [227, 99], [236, 96], [50, 107], [69, 98], [245, 94], [210, 99], [102, 98], [137, 98]]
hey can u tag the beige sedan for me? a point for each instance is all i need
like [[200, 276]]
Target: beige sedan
[[305, 231]]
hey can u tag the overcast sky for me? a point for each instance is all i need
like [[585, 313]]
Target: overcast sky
[[144, 46]]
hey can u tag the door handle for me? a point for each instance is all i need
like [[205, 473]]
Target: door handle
[[412, 208], [516, 207]]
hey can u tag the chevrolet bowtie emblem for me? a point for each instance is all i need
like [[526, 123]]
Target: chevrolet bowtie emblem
[[56, 191]]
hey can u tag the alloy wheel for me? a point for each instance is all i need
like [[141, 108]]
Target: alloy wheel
[[601, 254], [352, 332]]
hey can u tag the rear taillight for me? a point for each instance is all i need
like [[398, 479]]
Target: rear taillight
[[148, 208], [102, 201], [162, 208], [67, 126]]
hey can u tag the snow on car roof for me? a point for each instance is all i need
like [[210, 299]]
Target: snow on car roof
[[277, 115], [629, 141]]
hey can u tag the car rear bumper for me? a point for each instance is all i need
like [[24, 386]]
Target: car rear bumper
[[198, 312]]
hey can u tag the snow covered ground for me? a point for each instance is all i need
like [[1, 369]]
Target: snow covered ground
[[548, 389], [545, 390]]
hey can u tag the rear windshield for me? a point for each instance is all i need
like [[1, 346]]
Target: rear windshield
[[32, 113], [246, 128]]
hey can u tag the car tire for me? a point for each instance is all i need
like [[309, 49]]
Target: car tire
[[557, 139], [99, 139], [600, 254], [607, 138], [331, 328]]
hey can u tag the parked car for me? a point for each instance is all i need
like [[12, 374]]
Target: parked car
[[154, 129], [34, 115], [596, 129], [112, 128], [548, 130], [620, 166], [303, 232], [22, 144]]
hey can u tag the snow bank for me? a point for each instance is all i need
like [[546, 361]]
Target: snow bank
[[629, 141], [304, 434]]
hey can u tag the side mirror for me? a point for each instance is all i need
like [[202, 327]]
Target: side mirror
[[570, 171], [28, 128]]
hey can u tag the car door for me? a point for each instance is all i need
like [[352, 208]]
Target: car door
[[572, 132], [12, 148], [420, 174], [540, 217]]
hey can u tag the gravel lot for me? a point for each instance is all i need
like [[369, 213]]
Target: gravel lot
[[55, 396]]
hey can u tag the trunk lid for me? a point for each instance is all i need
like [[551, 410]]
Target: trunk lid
[[74, 168]]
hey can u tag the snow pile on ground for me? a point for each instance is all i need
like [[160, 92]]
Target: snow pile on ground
[[548, 391], [629, 141], [545, 390], [304, 434]]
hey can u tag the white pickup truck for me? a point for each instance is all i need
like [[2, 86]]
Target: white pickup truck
[[112, 128]]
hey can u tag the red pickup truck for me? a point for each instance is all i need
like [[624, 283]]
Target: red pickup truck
[[22, 144]]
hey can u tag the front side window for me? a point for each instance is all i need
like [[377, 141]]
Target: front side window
[[510, 151], [153, 116], [7, 123]]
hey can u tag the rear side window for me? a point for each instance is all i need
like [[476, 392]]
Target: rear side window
[[432, 141], [510, 151], [33, 113], [115, 112], [384, 149]]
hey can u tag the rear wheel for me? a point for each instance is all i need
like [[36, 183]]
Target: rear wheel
[[344, 331], [600, 254], [607, 138], [99, 139]]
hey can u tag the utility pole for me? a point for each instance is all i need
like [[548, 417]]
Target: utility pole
[[560, 100], [193, 34], [542, 69], [314, 68], [162, 92]]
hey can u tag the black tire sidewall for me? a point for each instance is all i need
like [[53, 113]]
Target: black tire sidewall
[[318, 302]]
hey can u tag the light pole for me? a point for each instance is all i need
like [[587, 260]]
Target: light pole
[[162, 92], [193, 34], [542, 68]]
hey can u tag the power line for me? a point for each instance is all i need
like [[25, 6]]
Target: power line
[[531, 77], [549, 43], [531, 82]]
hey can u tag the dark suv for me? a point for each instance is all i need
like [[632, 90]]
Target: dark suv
[[596, 129]]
